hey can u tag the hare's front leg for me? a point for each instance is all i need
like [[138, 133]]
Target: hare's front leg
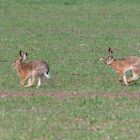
[[32, 81], [22, 82], [23, 79], [120, 77], [29, 82]]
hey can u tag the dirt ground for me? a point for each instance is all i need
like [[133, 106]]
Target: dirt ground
[[64, 95]]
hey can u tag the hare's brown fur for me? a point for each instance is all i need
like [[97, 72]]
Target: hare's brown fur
[[29, 71], [122, 65]]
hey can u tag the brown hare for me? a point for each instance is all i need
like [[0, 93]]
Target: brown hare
[[29, 71], [122, 65]]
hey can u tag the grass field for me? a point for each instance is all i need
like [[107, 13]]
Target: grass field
[[73, 36]]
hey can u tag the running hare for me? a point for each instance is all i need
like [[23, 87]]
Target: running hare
[[29, 71], [122, 65]]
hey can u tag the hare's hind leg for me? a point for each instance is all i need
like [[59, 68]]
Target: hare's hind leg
[[135, 73], [124, 79], [39, 82], [134, 78], [33, 78]]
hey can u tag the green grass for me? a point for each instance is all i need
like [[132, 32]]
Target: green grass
[[71, 119], [73, 36]]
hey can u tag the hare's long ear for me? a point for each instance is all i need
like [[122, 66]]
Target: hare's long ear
[[23, 55], [26, 54], [110, 51]]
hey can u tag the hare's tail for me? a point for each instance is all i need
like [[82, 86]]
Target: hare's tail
[[47, 75]]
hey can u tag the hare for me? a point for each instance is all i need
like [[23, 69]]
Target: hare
[[29, 71], [122, 65]]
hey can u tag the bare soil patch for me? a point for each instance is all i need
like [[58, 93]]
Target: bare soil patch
[[64, 95]]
